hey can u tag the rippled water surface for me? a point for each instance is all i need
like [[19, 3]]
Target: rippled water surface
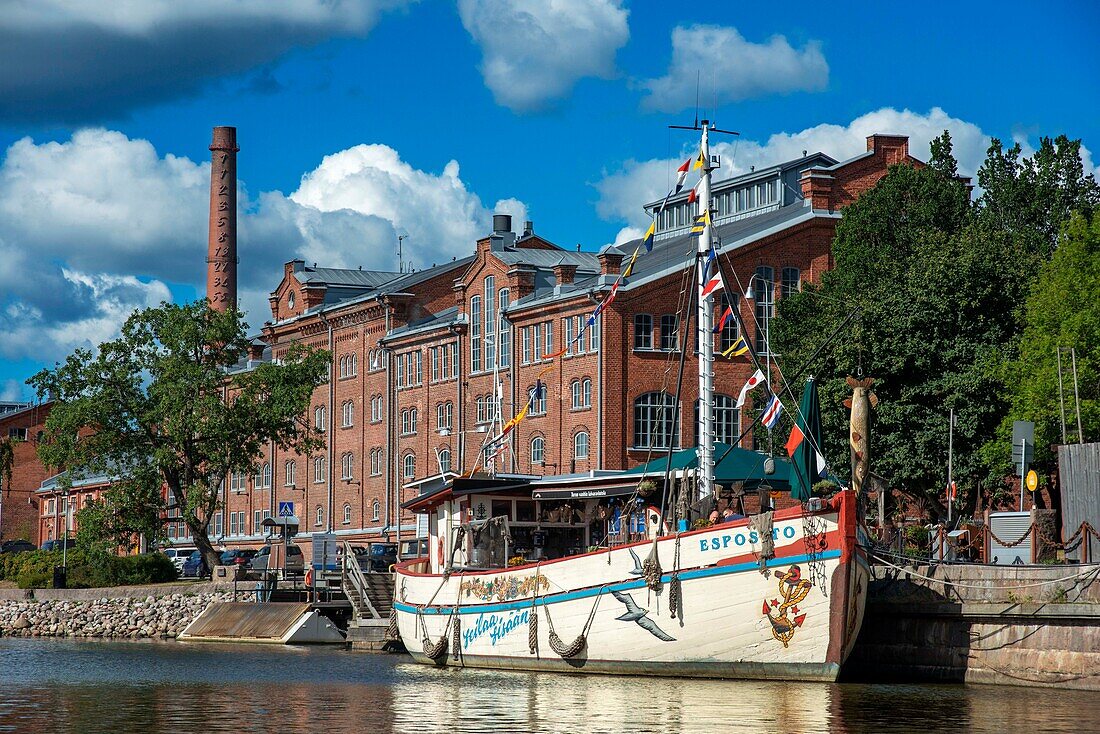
[[144, 688]]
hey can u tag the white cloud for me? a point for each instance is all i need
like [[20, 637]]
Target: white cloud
[[534, 51], [623, 191], [79, 218], [12, 391], [71, 60], [440, 215], [733, 68]]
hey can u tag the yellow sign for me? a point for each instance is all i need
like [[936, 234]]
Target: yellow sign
[[1032, 481]]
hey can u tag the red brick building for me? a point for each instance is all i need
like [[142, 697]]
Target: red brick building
[[417, 357], [22, 424]]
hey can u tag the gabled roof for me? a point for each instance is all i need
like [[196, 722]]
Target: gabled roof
[[344, 277]]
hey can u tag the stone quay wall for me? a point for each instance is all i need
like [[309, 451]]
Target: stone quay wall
[[1009, 625], [139, 612]]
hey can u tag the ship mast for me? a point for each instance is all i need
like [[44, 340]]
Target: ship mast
[[704, 321]]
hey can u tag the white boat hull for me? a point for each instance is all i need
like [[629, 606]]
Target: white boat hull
[[796, 622]]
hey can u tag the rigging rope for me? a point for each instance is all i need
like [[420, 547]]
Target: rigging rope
[[581, 640]]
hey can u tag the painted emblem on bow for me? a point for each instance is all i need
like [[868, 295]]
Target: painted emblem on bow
[[784, 615]]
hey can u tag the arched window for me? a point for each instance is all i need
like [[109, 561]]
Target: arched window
[[290, 473], [347, 514], [445, 460], [538, 450], [727, 422], [475, 334], [354, 364], [265, 473], [586, 393], [763, 284], [347, 411], [375, 511], [408, 466], [413, 418], [791, 282], [347, 466], [375, 462], [656, 421], [575, 391], [730, 330], [319, 418], [320, 517], [319, 470], [580, 446], [504, 358]]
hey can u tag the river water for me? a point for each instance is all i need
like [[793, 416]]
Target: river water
[[147, 688]]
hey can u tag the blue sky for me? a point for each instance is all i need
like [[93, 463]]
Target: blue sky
[[361, 119]]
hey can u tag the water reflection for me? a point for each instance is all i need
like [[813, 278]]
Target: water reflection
[[53, 686]]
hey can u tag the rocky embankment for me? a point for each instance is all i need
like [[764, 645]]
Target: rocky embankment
[[113, 617]]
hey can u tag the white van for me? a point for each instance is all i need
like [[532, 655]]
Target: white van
[[178, 554]]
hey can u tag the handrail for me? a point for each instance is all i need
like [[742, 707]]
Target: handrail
[[353, 576]]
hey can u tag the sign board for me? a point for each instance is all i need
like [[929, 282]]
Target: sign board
[[286, 509], [1032, 480], [1023, 442], [324, 552]]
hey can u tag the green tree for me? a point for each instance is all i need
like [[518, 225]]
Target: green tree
[[131, 507], [937, 303], [1063, 310], [167, 405], [1033, 198]]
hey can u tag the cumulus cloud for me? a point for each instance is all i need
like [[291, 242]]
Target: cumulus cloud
[[78, 220], [733, 68], [73, 61], [534, 51], [373, 180], [623, 191]]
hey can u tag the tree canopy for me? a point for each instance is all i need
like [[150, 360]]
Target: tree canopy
[[166, 404], [1063, 310], [940, 285]]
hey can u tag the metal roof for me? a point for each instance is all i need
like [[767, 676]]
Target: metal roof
[[345, 277]]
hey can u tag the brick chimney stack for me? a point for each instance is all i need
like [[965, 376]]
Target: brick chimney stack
[[221, 252]]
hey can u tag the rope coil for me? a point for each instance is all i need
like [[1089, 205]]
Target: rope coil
[[580, 641]]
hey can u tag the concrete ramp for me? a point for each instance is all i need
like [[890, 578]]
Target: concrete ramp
[[289, 623]]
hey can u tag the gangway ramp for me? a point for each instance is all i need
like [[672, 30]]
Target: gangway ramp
[[288, 623]]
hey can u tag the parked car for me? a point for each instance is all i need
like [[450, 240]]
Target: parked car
[[238, 557], [52, 545], [272, 556], [377, 557], [194, 566], [16, 546], [178, 556]]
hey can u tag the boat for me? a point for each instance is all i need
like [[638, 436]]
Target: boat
[[516, 579]]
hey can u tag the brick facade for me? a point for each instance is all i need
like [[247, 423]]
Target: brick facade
[[384, 328], [19, 510]]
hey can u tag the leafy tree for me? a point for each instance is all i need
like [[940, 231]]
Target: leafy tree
[[936, 301], [7, 461], [129, 508], [1033, 198], [166, 405], [1063, 310]]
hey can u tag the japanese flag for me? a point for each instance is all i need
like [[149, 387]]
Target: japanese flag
[[754, 381]]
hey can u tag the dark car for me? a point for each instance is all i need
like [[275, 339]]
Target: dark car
[[52, 545], [379, 557], [238, 557], [194, 567], [16, 546]]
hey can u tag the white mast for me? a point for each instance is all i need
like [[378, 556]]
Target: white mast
[[705, 318]]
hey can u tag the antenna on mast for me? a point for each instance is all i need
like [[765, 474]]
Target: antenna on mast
[[400, 252], [696, 125]]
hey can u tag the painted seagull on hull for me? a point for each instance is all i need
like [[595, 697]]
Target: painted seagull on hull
[[637, 570], [636, 614]]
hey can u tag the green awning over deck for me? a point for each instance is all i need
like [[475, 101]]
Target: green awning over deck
[[734, 465]]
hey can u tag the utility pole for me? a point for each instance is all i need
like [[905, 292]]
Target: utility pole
[[1076, 395], [950, 458], [1061, 398], [400, 252]]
